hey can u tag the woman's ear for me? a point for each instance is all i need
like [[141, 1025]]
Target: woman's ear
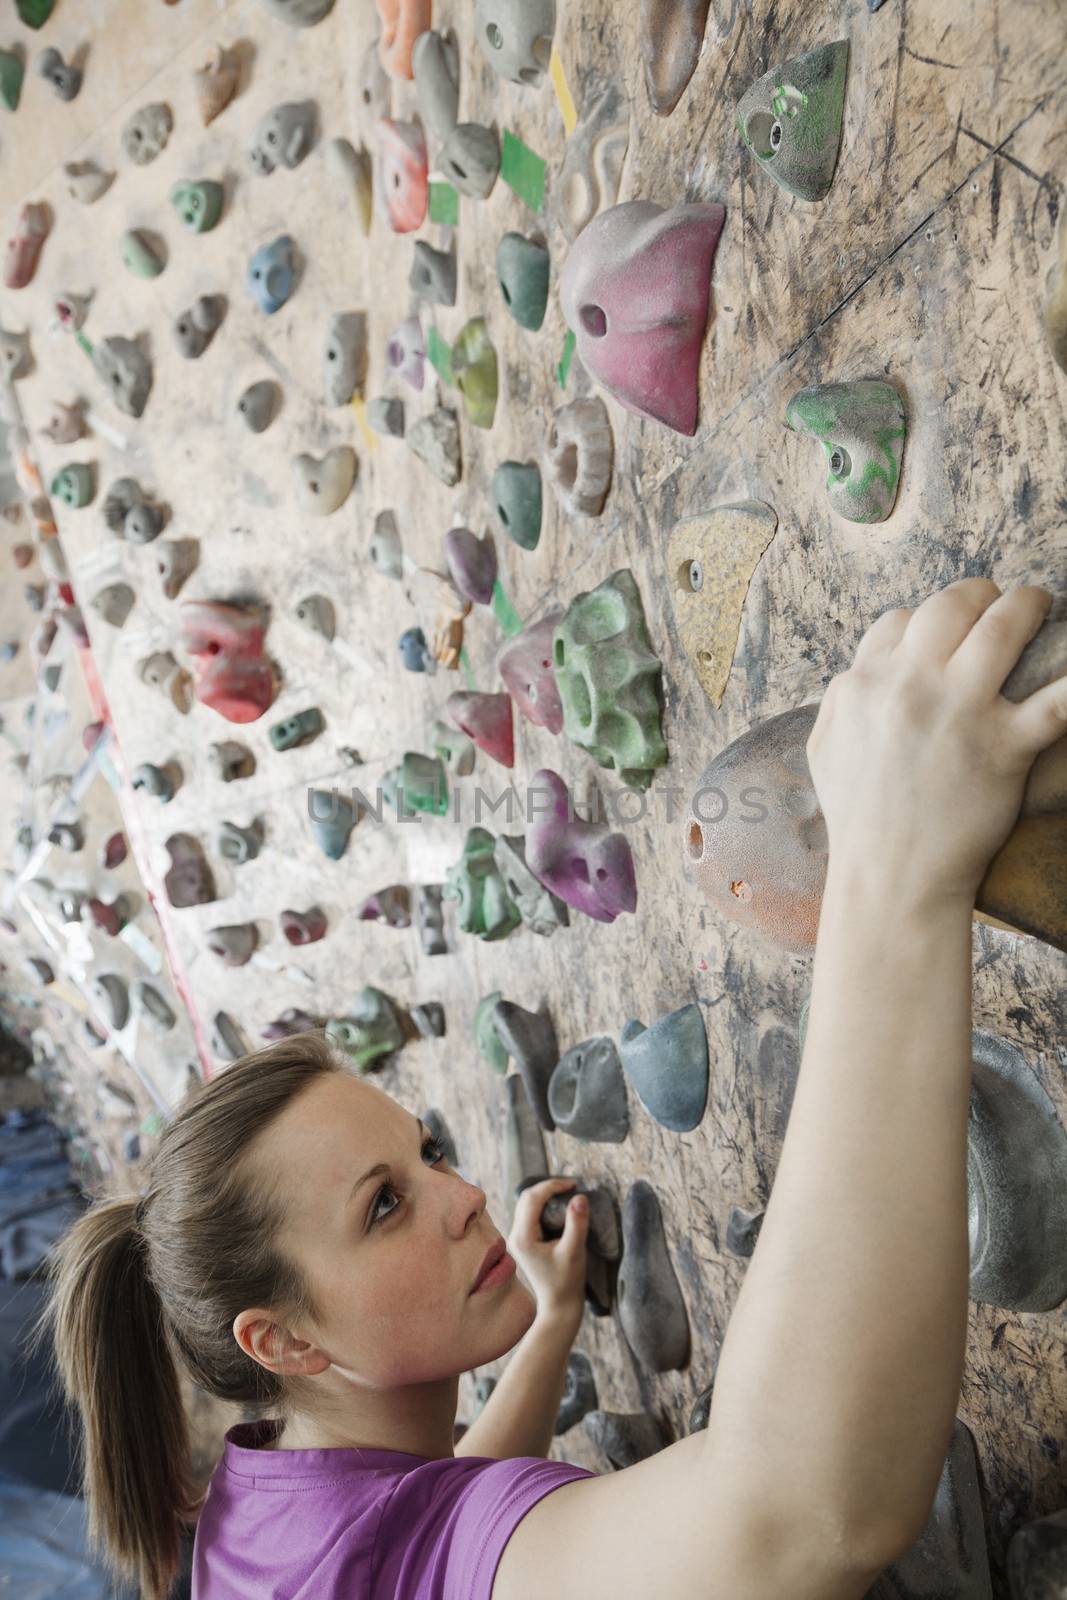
[[276, 1347]]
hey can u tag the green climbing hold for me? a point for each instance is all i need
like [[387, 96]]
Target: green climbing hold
[[418, 784], [140, 256], [485, 1035], [485, 907], [74, 484], [522, 272], [371, 1029], [474, 369], [609, 680], [11, 74], [791, 120], [34, 13], [517, 498], [199, 204], [861, 427]]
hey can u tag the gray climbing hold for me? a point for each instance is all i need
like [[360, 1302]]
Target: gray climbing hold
[[64, 77], [146, 133], [429, 1018], [433, 274], [232, 760], [195, 328], [1037, 1559], [579, 1395], [524, 1145], [385, 415], [650, 1304], [344, 358], [176, 560], [529, 1037], [227, 1040], [238, 844], [434, 439], [150, 1003], [283, 136], [69, 836], [668, 1066], [112, 996], [125, 371], [156, 781], [315, 612], [114, 603], [129, 513], [950, 1558], [587, 1093], [541, 910], [440, 1131], [235, 944], [742, 1231], [384, 549], [470, 159], [429, 919], [625, 1437], [189, 880], [258, 405], [40, 970], [435, 67], [603, 1241]]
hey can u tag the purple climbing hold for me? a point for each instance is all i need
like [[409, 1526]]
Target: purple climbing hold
[[589, 868]]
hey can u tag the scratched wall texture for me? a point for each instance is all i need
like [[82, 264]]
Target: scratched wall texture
[[925, 263]]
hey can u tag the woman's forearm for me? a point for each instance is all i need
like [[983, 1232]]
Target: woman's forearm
[[840, 1372], [519, 1418]]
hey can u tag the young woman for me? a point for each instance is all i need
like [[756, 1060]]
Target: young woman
[[303, 1245]]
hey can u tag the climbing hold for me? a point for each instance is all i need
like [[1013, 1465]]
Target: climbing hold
[[525, 1161], [516, 37], [517, 498], [64, 77], [159, 782], [454, 749], [189, 881], [488, 1042], [474, 367], [950, 1556], [415, 652], [113, 851], [429, 1019], [299, 13], [1037, 1557], [315, 612], [300, 728], [258, 406], [227, 1040], [129, 514], [332, 820], [405, 351], [126, 373], [24, 246], [176, 559], [75, 484], [485, 718], [579, 455], [148, 1002], [472, 564], [271, 274], [386, 416], [791, 120], [68, 836], [198, 203], [593, 159], [86, 182], [609, 680], [232, 760], [529, 1037], [1056, 299], [668, 1066], [40, 970], [370, 1030], [635, 291], [626, 1437], [15, 356], [541, 911], [485, 908], [233, 677], [587, 1093], [402, 23], [291, 1022], [66, 424], [375, 91], [743, 1231], [603, 1242], [283, 137], [522, 267], [650, 1304], [196, 327], [434, 440], [11, 75], [390, 906], [579, 1392], [433, 278], [238, 844], [429, 919], [441, 609], [215, 83], [344, 359], [111, 995], [470, 159], [322, 485], [234, 945], [146, 133], [355, 170], [141, 255], [71, 310], [672, 32], [710, 562], [418, 784], [861, 427], [592, 870], [401, 183], [435, 68], [440, 1131]]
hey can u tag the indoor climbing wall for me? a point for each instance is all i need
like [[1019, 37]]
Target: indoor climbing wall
[[335, 277]]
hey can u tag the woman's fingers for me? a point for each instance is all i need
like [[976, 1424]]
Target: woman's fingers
[[939, 626], [991, 648], [883, 634], [1041, 718]]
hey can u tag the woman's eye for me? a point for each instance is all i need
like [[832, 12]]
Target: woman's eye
[[437, 1154]]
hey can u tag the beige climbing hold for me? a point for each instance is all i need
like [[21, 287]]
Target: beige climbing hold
[[710, 562], [1056, 301], [216, 83]]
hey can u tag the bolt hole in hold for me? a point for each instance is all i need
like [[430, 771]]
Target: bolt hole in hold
[[594, 321], [695, 841], [494, 35], [840, 461], [759, 133], [694, 575], [567, 467], [458, 170], [601, 873], [502, 514], [506, 293]]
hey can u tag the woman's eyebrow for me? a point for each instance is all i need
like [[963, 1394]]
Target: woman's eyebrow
[[380, 1170]]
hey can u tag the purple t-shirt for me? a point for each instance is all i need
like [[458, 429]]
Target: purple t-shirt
[[359, 1524]]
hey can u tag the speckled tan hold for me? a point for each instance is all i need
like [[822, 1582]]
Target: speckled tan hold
[[215, 82], [1056, 301], [672, 32], [710, 562]]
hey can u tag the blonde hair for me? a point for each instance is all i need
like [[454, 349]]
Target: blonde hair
[[141, 1283]]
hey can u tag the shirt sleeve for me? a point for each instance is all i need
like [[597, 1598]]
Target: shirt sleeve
[[445, 1526]]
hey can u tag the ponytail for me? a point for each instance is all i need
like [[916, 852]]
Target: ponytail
[[114, 1361]]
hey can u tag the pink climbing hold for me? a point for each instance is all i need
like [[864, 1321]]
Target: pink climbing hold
[[485, 718], [635, 291], [587, 867], [525, 664], [402, 180], [234, 677]]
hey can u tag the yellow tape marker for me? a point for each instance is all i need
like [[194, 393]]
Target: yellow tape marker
[[369, 437], [563, 92]]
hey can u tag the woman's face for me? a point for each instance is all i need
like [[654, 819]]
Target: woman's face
[[390, 1258]]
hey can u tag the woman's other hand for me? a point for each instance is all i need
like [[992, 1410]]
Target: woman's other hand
[[555, 1268]]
